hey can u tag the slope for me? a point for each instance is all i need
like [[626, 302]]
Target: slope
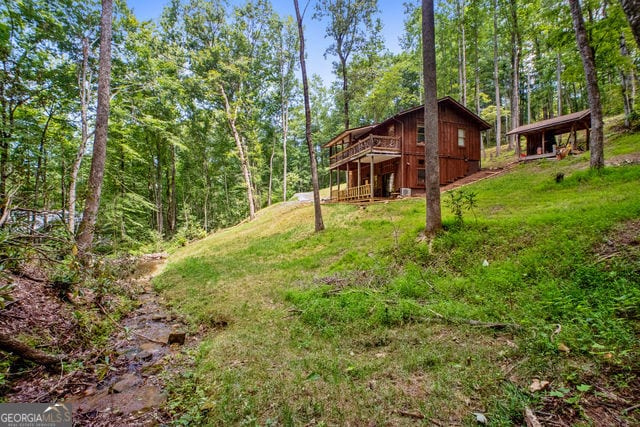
[[365, 323]]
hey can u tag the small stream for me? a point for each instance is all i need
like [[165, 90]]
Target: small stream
[[132, 390]]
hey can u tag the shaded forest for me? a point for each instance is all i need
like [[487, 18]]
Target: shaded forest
[[206, 112]]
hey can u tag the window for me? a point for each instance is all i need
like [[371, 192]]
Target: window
[[420, 133], [421, 176], [461, 135]]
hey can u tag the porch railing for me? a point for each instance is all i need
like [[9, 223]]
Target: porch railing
[[353, 193], [373, 143]]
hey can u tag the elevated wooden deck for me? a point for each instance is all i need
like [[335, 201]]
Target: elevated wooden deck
[[371, 145]]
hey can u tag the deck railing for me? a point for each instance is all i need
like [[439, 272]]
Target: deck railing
[[353, 193], [372, 143]]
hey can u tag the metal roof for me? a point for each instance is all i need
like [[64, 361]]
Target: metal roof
[[357, 132], [562, 123]]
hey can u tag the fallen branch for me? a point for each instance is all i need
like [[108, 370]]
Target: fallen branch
[[472, 322], [602, 258], [530, 418], [22, 350], [119, 326], [630, 408], [415, 415], [6, 209]]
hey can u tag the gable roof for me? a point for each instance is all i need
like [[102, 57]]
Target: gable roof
[[560, 123], [357, 132]]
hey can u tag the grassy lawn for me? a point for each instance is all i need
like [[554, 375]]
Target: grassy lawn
[[366, 323]]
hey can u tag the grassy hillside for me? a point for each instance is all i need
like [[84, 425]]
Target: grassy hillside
[[367, 323]]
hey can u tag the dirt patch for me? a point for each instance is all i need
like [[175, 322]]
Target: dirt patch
[[624, 159], [622, 242], [38, 314], [602, 405]]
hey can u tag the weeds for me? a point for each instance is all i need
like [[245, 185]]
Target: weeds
[[313, 338], [459, 202]]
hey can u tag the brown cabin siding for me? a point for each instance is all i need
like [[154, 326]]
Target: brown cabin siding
[[455, 161]]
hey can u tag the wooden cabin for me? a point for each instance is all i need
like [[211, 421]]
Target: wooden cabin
[[387, 159], [545, 137]]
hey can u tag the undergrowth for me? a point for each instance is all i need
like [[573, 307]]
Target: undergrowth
[[366, 321]]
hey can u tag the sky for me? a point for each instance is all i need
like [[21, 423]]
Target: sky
[[391, 14]]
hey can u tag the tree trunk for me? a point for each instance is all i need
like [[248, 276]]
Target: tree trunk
[[596, 143], [39, 175], [515, 76], [244, 163], [624, 77], [345, 91], [285, 131], [96, 176], [207, 192], [632, 10], [85, 98], [5, 141], [157, 188], [432, 161], [22, 350], [462, 54], [319, 224], [172, 214], [273, 153], [496, 78], [559, 82]]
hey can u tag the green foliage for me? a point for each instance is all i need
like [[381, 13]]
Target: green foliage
[[5, 294], [325, 316], [459, 202]]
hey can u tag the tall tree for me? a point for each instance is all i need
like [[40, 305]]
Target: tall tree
[[626, 78], [319, 224], [84, 85], [632, 10], [516, 48], [496, 79], [432, 162], [351, 27], [462, 51], [96, 176], [596, 143], [286, 68]]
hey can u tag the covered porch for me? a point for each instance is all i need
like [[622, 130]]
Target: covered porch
[[362, 169], [541, 136]]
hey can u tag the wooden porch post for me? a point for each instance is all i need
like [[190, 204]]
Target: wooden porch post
[[330, 185], [338, 170], [371, 176], [587, 132], [347, 177], [359, 181]]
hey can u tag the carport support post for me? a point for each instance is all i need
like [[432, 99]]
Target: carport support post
[[371, 176]]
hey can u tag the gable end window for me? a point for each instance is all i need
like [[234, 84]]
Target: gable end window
[[461, 137]]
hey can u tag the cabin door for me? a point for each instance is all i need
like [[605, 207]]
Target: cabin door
[[387, 184]]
